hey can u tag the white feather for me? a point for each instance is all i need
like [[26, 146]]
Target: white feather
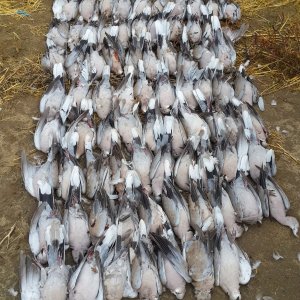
[[244, 163], [158, 27], [164, 68], [84, 105], [44, 187], [157, 128], [135, 107], [180, 97], [64, 140], [130, 70], [169, 7], [236, 102], [218, 217], [151, 104], [247, 133], [215, 22], [207, 223], [95, 18], [134, 133], [85, 70], [168, 124], [58, 70], [142, 228], [184, 35], [110, 235], [194, 172], [147, 10], [74, 138], [114, 135], [167, 166], [88, 144], [221, 126], [247, 119], [141, 66], [132, 179], [204, 10], [148, 36], [75, 178], [213, 63], [209, 163], [92, 39], [106, 70], [50, 43], [57, 8], [199, 95], [270, 155], [51, 234], [66, 107], [114, 30], [87, 34], [205, 133]]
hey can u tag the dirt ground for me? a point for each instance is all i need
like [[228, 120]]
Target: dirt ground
[[277, 279]]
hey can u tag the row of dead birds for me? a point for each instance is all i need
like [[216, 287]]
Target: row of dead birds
[[121, 33], [181, 168]]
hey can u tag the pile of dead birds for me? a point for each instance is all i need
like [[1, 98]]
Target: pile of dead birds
[[149, 183]]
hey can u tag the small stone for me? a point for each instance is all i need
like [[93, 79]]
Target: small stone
[[256, 264], [285, 132], [261, 103], [273, 102], [298, 256], [277, 256], [277, 128], [12, 292]]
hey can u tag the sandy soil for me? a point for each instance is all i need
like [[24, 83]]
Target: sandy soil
[[278, 279]]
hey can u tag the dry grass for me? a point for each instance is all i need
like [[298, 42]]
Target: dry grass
[[276, 142], [251, 8], [25, 75], [274, 48], [38, 30], [22, 76], [19, 8], [272, 44], [8, 235]]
